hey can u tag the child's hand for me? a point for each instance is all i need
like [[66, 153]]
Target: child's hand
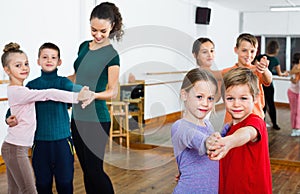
[[210, 143], [84, 94], [88, 101], [221, 149], [12, 121], [262, 65], [177, 177], [218, 154]]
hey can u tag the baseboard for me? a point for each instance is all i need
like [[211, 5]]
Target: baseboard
[[2, 165], [277, 161], [159, 121], [282, 104]]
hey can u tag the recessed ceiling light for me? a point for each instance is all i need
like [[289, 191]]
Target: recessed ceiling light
[[285, 8]]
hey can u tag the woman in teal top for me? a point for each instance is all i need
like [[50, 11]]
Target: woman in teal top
[[97, 66]]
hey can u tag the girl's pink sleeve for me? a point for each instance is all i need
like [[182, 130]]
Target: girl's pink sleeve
[[25, 95]]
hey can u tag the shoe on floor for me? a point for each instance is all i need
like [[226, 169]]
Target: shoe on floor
[[276, 127], [295, 132], [268, 125]]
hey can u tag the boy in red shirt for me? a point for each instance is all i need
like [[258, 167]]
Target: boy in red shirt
[[246, 168]]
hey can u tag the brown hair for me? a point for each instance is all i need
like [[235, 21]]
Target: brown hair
[[195, 75], [296, 58], [49, 45], [272, 47], [9, 49], [246, 37], [110, 11], [198, 43], [242, 76]]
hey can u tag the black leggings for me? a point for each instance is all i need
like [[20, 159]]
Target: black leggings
[[269, 103], [90, 140]]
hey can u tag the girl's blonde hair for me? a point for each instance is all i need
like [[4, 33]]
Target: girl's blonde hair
[[9, 49], [195, 75]]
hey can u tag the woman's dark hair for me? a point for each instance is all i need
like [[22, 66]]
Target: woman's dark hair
[[296, 58], [272, 47], [110, 11], [198, 42]]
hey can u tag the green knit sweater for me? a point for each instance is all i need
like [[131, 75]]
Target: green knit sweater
[[53, 121]]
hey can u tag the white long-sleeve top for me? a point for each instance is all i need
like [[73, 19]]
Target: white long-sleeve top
[[295, 87], [22, 104]]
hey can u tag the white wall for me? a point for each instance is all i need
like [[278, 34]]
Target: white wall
[[3, 110], [224, 30], [33, 22], [272, 23], [281, 86], [158, 37]]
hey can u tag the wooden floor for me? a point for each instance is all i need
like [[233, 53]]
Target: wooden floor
[[152, 168]]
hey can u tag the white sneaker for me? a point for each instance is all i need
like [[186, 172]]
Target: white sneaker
[[295, 132], [268, 125]]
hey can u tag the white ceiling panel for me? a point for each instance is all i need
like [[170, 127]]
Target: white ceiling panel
[[255, 5]]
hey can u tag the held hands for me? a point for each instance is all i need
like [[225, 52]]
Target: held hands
[[262, 65], [216, 146], [86, 96], [285, 74]]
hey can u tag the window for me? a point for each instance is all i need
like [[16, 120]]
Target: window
[[295, 47]]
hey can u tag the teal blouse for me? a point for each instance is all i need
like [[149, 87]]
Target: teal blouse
[[91, 68]]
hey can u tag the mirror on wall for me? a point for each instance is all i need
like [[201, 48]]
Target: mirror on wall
[[281, 144], [282, 51]]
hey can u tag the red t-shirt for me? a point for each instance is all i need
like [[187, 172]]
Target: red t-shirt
[[246, 169]]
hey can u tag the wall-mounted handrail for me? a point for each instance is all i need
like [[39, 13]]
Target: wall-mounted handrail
[[166, 72], [4, 81], [3, 99], [163, 82], [281, 78]]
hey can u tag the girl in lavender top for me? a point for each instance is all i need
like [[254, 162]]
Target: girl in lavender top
[[21, 100], [198, 174]]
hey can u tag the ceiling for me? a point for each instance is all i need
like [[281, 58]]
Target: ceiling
[[255, 5]]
